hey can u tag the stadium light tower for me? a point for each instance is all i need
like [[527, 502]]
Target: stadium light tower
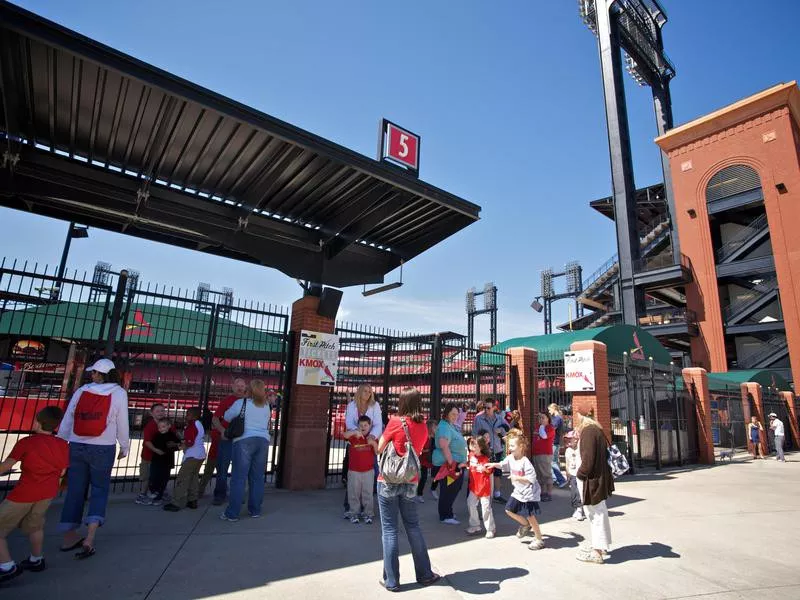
[[632, 26], [489, 294]]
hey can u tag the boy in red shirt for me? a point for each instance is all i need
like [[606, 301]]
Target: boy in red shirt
[[44, 459], [480, 487], [361, 476], [150, 429]]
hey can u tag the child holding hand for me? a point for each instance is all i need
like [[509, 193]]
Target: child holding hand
[[480, 487]]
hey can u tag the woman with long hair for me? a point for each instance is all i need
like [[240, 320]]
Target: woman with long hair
[[450, 453], [96, 420], [249, 450], [363, 404], [398, 499], [595, 485]]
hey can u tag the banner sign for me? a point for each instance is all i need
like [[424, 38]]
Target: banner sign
[[399, 146], [579, 371], [318, 359]]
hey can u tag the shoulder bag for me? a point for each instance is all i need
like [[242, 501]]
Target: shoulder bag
[[616, 460], [396, 469], [235, 428]]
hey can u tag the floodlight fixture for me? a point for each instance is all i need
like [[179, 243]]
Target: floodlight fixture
[[536, 305]]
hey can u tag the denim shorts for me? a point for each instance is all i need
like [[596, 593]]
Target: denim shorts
[[515, 506]]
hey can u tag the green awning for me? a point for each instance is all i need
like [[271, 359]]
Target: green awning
[[767, 379], [638, 343], [148, 324]]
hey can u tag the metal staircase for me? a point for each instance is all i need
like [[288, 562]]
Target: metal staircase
[[745, 240], [750, 302], [775, 348]]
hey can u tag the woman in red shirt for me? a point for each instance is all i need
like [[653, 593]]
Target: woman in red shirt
[[394, 500], [543, 455]]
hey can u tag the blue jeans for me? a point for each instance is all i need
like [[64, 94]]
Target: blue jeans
[[407, 509], [558, 477], [249, 463], [223, 463], [89, 469]]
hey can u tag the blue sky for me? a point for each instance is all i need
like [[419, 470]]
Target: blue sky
[[506, 95]]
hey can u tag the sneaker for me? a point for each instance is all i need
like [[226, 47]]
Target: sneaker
[[141, 499], [523, 531], [192, 504], [578, 514], [13, 572], [354, 520], [146, 502], [590, 557], [368, 521], [489, 535], [224, 517], [546, 498], [35, 566], [536, 544], [451, 521], [347, 515], [171, 507], [255, 516], [419, 499], [156, 502], [435, 494], [473, 530], [500, 499], [563, 484], [586, 547]]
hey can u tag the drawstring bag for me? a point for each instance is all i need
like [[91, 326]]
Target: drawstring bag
[[396, 469]]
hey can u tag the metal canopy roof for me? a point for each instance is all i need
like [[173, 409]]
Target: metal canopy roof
[[107, 140], [650, 204]]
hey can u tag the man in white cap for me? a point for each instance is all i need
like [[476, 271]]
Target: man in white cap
[[777, 427]]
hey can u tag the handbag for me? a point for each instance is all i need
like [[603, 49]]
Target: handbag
[[396, 469], [235, 428], [616, 461]]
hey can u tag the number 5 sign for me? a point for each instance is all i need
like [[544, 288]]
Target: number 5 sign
[[399, 146]]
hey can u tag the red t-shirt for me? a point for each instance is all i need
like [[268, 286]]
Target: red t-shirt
[[480, 484], [43, 457], [361, 456], [394, 432], [224, 405], [148, 433], [544, 446]]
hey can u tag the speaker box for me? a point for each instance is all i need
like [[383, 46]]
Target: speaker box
[[329, 302]]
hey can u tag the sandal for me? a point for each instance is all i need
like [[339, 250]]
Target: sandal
[[74, 546], [85, 552], [430, 580]]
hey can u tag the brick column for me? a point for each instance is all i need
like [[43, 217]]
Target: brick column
[[788, 397], [696, 381], [526, 362], [306, 450], [599, 401], [754, 389]]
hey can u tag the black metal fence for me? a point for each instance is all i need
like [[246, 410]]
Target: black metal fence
[[773, 403], [440, 366], [171, 347], [728, 420]]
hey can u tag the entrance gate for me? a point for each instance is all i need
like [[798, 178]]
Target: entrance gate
[[773, 403]]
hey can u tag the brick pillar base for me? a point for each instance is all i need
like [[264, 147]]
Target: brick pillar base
[[597, 402], [525, 361], [306, 451], [754, 389], [788, 397], [696, 380]]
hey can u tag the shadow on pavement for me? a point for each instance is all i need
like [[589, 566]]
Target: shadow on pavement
[[572, 540], [641, 552], [483, 581]]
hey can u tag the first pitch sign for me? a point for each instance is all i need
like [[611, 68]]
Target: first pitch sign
[[399, 146], [579, 371], [318, 359]]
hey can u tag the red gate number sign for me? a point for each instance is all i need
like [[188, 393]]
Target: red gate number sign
[[403, 146]]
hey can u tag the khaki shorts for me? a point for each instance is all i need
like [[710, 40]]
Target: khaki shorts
[[144, 471], [543, 465], [28, 516]]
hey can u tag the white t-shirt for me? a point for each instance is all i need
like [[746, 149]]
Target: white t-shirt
[[197, 449], [777, 426], [571, 457], [524, 492]]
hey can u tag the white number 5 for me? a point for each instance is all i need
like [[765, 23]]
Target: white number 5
[[403, 139]]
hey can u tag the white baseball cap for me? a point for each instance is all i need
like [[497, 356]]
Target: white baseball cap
[[772, 415], [102, 366]]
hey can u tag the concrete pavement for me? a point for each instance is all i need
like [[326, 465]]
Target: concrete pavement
[[720, 533]]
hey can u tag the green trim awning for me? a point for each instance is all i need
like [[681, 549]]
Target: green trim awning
[[767, 379], [619, 339]]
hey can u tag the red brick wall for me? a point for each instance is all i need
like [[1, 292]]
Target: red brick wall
[[754, 389], [526, 361], [599, 401], [788, 397], [705, 440]]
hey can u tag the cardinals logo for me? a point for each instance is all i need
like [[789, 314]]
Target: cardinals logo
[[139, 326], [637, 352]]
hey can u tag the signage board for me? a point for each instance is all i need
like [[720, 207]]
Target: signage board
[[399, 146], [579, 371], [318, 358]]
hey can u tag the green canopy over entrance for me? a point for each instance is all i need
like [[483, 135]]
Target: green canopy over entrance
[[619, 339], [767, 379]]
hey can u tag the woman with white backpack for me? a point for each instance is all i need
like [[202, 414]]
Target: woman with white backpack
[[397, 488]]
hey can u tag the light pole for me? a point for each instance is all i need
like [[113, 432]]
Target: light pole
[[74, 231]]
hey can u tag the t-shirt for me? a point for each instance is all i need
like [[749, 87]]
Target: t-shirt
[[361, 456], [777, 426], [480, 483], [193, 439], [224, 405], [557, 421], [543, 446], [571, 457], [524, 492], [162, 442], [43, 457], [458, 446], [256, 418], [395, 434], [150, 429]]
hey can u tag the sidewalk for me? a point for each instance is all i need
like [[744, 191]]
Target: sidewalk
[[718, 533]]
